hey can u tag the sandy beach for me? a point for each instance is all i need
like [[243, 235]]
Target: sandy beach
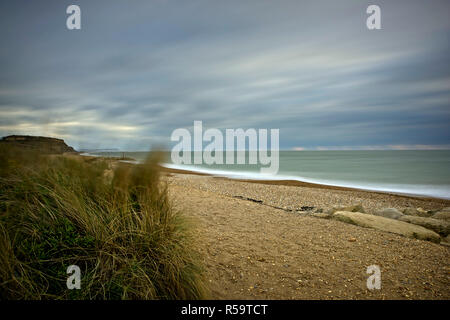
[[262, 241]]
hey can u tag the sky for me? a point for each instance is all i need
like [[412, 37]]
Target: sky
[[137, 70]]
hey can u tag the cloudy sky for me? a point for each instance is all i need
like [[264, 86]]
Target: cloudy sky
[[137, 70]]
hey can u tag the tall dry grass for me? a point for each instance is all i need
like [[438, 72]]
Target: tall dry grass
[[116, 224]]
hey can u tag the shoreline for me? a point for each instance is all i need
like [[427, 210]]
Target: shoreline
[[296, 183], [283, 181]]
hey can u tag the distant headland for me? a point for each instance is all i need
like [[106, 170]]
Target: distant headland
[[45, 145]]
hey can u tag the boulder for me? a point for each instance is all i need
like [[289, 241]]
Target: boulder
[[353, 208], [390, 213], [446, 240], [440, 226], [321, 215], [442, 215], [411, 212], [424, 213], [388, 225]]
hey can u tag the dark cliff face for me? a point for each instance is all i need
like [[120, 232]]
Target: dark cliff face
[[42, 144]]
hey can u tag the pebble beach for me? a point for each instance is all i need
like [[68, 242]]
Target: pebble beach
[[267, 240]]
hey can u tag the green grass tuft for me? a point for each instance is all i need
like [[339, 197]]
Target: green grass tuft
[[114, 221]]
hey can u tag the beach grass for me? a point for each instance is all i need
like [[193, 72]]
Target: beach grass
[[114, 222]]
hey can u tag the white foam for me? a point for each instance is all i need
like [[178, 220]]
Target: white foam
[[434, 191]]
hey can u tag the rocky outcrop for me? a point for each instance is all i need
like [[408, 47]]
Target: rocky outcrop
[[388, 225], [390, 213], [440, 226], [43, 145]]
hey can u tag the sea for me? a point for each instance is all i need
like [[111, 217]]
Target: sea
[[416, 173]]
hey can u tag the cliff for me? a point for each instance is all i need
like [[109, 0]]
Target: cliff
[[42, 144]]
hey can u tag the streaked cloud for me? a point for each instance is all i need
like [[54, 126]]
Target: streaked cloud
[[135, 72]]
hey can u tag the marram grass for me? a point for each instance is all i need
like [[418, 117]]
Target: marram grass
[[116, 224]]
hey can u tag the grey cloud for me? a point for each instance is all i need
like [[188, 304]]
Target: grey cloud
[[135, 72]]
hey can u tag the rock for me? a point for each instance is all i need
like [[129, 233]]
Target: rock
[[440, 226], [423, 213], [446, 241], [388, 225], [411, 212], [321, 215], [419, 212], [442, 215], [390, 213], [354, 208]]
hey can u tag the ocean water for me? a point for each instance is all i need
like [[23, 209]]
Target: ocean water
[[424, 173]]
